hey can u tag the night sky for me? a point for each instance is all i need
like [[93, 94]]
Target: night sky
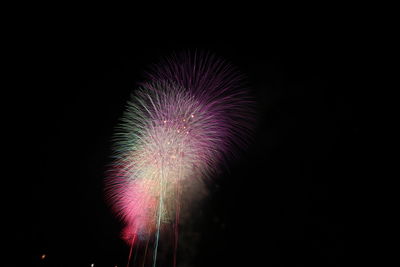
[[284, 202]]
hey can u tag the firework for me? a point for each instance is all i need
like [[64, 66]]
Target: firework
[[179, 127]]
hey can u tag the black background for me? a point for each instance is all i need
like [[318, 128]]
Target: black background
[[285, 203]]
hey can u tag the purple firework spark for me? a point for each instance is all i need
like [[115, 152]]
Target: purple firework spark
[[179, 127]]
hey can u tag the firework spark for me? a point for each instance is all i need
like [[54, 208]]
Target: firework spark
[[179, 127]]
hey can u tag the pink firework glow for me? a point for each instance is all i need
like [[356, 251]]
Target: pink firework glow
[[179, 127]]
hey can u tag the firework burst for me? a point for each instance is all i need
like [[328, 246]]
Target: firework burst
[[179, 127]]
